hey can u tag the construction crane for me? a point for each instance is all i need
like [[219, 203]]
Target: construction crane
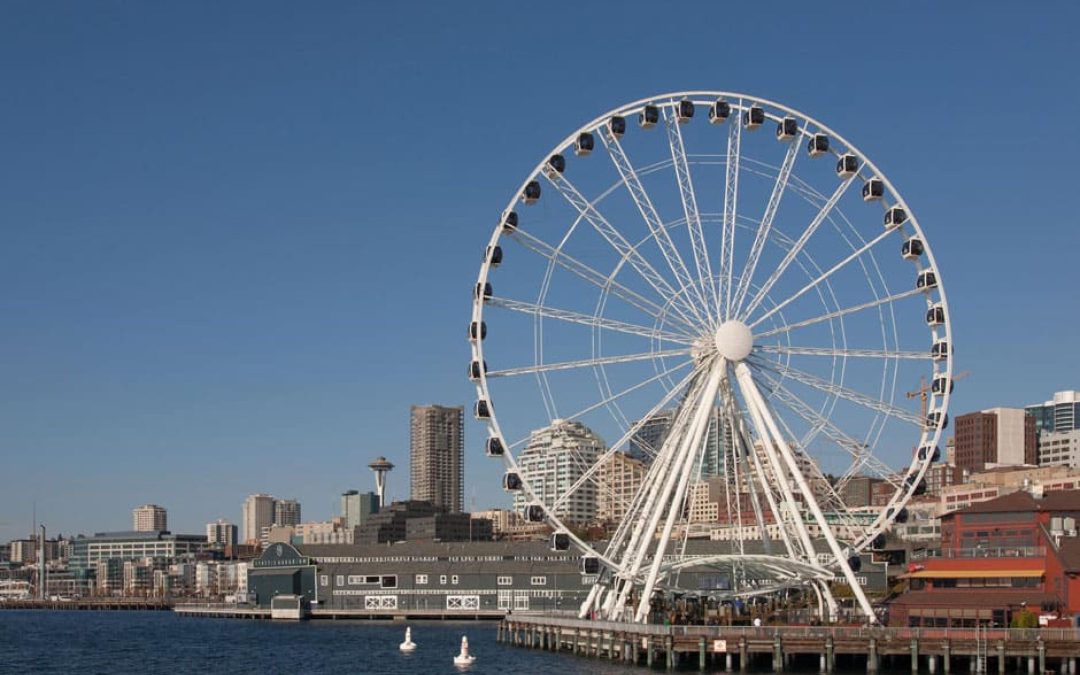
[[923, 391]]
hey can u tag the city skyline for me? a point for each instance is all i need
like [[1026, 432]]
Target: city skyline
[[201, 258]]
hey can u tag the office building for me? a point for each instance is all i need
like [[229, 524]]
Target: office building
[[1060, 414], [618, 480], [221, 533], [108, 547], [650, 437], [286, 512], [258, 514], [357, 507], [998, 436], [553, 460], [437, 456], [1060, 448], [149, 518]]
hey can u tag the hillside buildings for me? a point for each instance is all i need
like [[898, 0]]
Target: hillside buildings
[[1060, 414], [357, 507], [258, 514], [619, 478], [437, 456], [149, 518], [221, 533], [553, 460]]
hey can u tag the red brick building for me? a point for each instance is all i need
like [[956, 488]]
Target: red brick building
[[996, 558]]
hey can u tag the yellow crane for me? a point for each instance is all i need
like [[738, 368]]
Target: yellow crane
[[923, 391]]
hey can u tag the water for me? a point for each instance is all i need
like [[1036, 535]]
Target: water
[[38, 641]]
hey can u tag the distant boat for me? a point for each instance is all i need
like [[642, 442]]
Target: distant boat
[[464, 658], [408, 645]]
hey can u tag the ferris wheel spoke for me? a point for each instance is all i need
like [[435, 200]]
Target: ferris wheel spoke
[[616, 240], [652, 219], [842, 352], [838, 313], [731, 202], [765, 225], [798, 246], [587, 363], [813, 284], [626, 437], [843, 392], [690, 209], [601, 281], [534, 309]]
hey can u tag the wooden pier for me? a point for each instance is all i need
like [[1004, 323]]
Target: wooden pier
[[231, 611], [780, 648], [92, 604]]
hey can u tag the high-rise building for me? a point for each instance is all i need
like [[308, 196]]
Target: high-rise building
[[618, 480], [258, 514], [646, 443], [1002, 436], [437, 456], [1060, 448], [553, 460], [357, 507], [149, 518], [221, 533], [1060, 414], [286, 512]]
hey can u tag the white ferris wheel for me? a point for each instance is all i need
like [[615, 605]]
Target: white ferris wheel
[[732, 296]]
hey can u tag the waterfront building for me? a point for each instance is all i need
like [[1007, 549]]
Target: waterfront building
[[619, 478], [357, 507], [87, 552], [998, 436], [258, 513], [552, 461], [286, 512], [437, 456], [996, 558], [221, 533], [1059, 414], [149, 518], [986, 485], [1060, 448], [5, 553]]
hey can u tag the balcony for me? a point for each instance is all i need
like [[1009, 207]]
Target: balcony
[[970, 553]]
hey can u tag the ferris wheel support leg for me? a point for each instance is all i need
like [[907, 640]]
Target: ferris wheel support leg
[[827, 608], [750, 392], [691, 446], [586, 606]]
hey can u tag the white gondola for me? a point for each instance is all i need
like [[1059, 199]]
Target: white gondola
[[935, 419], [873, 190], [939, 351], [509, 221], [926, 280], [494, 447], [684, 111], [935, 316], [719, 111], [560, 541], [931, 453], [648, 117], [753, 117], [482, 410], [590, 564], [511, 481], [847, 165], [534, 513], [555, 164], [493, 255], [477, 331], [912, 249], [483, 290], [818, 145], [477, 369], [895, 217], [584, 144], [617, 125], [531, 193], [940, 385], [787, 129]]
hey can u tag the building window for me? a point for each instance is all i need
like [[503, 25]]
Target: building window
[[355, 579], [389, 581], [324, 579], [339, 580], [442, 579], [454, 580], [539, 581], [421, 579], [505, 581]]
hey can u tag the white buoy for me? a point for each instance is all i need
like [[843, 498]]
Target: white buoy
[[464, 658], [408, 645]]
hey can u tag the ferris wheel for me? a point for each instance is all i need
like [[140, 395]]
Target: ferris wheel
[[696, 318]]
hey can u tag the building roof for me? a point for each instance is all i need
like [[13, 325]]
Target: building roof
[[1069, 551], [1023, 501], [986, 598]]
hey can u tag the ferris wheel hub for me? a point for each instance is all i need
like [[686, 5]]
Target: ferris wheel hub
[[734, 340]]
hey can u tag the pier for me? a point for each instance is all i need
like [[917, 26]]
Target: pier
[[780, 648], [232, 611], [92, 604]]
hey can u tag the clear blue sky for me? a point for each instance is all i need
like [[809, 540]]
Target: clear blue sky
[[239, 239]]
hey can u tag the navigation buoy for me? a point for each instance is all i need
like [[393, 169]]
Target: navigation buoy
[[408, 645], [464, 658]]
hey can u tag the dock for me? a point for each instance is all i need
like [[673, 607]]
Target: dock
[[232, 611], [92, 604], [780, 648]]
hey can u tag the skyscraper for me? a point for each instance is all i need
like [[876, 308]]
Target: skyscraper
[[995, 436], [1060, 414], [286, 512], [553, 460], [437, 456], [149, 518], [650, 437], [258, 514], [221, 533]]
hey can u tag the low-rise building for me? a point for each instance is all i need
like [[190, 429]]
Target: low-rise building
[[1060, 448]]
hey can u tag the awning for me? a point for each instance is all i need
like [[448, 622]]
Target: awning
[[973, 574]]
